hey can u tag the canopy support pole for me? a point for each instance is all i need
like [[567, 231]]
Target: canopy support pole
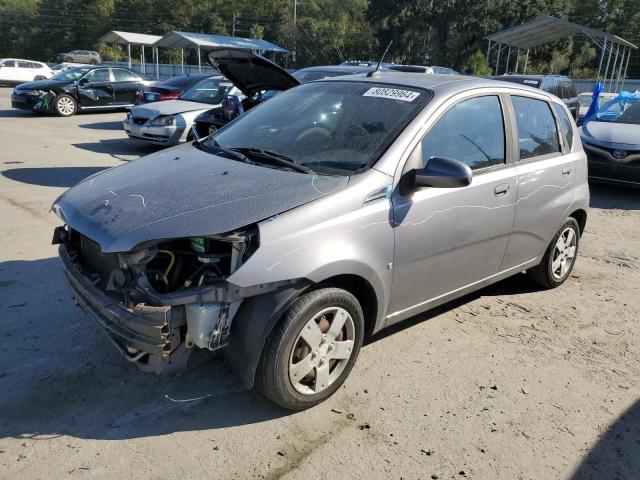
[[486, 63], [526, 61], [506, 68], [498, 59], [199, 60], [613, 69], [624, 55], [157, 63], [606, 70], [517, 59], [624, 75], [182, 59], [604, 49], [129, 53]]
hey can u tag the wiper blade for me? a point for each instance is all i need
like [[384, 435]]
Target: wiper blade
[[275, 158], [229, 153]]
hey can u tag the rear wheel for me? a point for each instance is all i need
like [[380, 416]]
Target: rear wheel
[[312, 350], [38, 77], [558, 260], [93, 61], [68, 59], [65, 105]]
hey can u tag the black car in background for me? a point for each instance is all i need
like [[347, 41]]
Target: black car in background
[[559, 85], [172, 88], [82, 88]]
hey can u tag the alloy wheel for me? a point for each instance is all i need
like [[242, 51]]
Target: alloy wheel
[[66, 106], [564, 253], [321, 351]]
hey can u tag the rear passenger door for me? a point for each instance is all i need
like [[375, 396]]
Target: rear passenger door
[[447, 239], [545, 174], [126, 86]]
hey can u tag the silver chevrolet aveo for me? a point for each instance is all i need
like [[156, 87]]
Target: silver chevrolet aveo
[[321, 216]]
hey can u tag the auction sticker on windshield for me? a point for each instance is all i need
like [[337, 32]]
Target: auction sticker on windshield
[[392, 93]]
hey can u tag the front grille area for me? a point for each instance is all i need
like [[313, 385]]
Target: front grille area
[[139, 120], [98, 265]]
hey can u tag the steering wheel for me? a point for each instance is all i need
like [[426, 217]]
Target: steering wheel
[[319, 132]]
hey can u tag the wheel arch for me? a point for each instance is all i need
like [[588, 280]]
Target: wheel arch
[[580, 216]]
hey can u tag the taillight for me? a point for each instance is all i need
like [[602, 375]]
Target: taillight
[[168, 96]]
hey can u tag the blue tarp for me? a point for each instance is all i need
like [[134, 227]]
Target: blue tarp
[[611, 110]]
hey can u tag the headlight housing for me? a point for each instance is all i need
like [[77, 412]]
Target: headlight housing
[[163, 121]]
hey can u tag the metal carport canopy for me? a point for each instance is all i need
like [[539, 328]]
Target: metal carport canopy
[[204, 41], [548, 29], [131, 38]]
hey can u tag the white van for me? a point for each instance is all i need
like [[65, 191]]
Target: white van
[[15, 70]]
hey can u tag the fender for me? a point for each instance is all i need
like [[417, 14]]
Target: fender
[[252, 325]]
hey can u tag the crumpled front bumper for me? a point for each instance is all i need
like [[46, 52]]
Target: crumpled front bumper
[[143, 329], [169, 135]]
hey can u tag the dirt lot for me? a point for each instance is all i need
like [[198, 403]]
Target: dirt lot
[[510, 383]]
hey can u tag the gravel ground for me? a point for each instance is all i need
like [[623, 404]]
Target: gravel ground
[[509, 383]]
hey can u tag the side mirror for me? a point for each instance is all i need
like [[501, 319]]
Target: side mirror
[[83, 81], [442, 172]]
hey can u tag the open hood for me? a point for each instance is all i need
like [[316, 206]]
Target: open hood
[[250, 72], [183, 192]]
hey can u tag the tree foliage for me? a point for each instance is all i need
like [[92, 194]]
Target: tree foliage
[[442, 32]]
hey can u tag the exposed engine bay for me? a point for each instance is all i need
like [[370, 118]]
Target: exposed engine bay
[[175, 292]]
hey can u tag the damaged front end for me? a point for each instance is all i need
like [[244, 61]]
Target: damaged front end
[[164, 299]]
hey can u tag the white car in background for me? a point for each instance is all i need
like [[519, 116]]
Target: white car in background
[[16, 70], [169, 123]]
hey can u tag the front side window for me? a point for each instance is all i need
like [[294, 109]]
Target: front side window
[[9, 63], [472, 132], [565, 124], [331, 127], [537, 132], [101, 75], [121, 75]]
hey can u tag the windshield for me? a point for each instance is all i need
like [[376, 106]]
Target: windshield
[[207, 91], [625, 108], [70, 74], [330, 127]]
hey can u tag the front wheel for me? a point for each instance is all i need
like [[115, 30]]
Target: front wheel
[[68, 59], [65, 105], [93, 61], [312, 350], [560, 257]]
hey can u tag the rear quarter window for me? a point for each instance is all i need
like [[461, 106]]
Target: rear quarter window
[[537, 131], [566, 127]]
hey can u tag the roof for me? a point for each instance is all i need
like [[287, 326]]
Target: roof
[[548, 29], [115, 36], [336, 68], [205, 41]]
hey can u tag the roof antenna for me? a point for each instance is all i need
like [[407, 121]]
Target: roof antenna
[[370, 74]]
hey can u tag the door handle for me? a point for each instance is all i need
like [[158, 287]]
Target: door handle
[[501, 189], [566, 171]]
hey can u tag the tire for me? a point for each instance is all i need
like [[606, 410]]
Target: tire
[[286, 348], [38, 77], [65, 105], [93, 61], [552, 271], [68, 59]]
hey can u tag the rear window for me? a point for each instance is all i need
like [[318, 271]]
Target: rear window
[[537, 131], [180, 81]]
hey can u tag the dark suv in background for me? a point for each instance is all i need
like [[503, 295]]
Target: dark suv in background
[[559, 85]]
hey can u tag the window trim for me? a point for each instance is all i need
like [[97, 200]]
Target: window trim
[[545, 156], [415, 148]]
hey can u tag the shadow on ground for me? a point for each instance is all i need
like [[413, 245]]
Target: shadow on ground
[[614, 197], [116, 147], [115, 125], [60, 375], [616, 455], [51, 176], [19, 113]]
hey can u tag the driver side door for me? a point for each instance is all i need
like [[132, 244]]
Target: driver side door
[[95, 89], [448, 240]]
